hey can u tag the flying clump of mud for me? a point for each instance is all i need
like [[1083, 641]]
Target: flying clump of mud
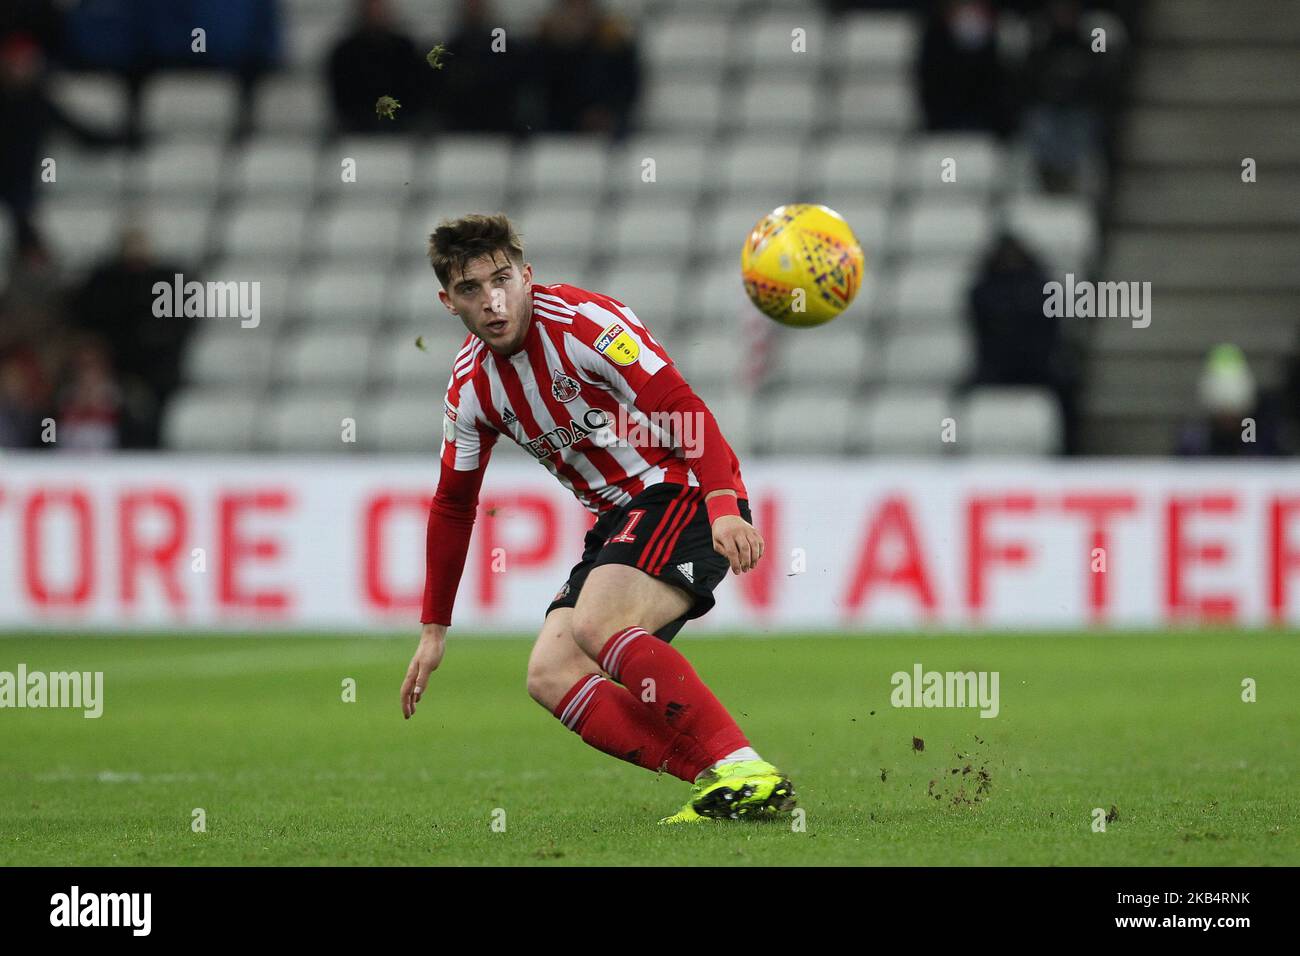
[[966, 782]]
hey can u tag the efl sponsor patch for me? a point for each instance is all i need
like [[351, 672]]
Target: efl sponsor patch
[[617, 346], [451, 412]]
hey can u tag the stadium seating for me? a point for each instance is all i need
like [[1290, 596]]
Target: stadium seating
[[735, 124]]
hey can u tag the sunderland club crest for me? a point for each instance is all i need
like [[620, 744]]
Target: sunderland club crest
[[563, 388]]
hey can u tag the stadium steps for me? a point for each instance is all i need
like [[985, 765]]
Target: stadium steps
[[1215, 83]]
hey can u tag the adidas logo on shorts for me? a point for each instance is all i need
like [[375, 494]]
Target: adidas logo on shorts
[[688, 571]]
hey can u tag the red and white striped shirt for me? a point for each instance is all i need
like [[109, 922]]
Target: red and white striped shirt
[[584, 354], [581, 397]]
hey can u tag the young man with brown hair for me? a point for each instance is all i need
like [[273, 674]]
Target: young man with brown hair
[[577, 380]]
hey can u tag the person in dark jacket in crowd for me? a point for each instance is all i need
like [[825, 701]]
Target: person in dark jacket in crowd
[[376, 59]]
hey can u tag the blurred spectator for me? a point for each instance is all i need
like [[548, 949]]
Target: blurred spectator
[[590, 69], [138, 38], [1066, 86], [1016, 343], [1291, 399], [21, 399], [27, 116], [961, 79], [42, 20], [479, 89], [31, 307], [376, 59], [91, 404], [116, 303], [1234, 421]]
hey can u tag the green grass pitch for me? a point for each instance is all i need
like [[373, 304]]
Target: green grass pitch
[[254, 731]]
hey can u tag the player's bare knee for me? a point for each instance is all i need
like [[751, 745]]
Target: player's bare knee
[[591, 630], [547, 683]]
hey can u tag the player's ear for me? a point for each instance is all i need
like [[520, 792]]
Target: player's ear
[[445, 299]]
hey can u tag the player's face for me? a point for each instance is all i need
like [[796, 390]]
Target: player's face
[[493, 298]]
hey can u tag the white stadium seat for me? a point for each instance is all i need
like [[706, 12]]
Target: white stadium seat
[[413, 297], [292, 102], [179, 103], [933, 227], [309, 421], [877, 41], [331, 296], [976, 165], [396, 359], [559, 227], [82, 231], [276, 167], [91, 99], [230, 355], [651, 229], [275, 287], [752, 164], [178, 231], [651, 293], [712, 361], [906, 420], [102, 174], [767, 43], [263, 230], [681, 167], [328, 357], [358, 231], [685, 40], [210, 419], [937, 356], [852, 164], [714, 298], [803, 422], [682, 106], [1062, 230], [1023, 420], [384, 165], [181, 167], [824, 356], [870, 104], [463, 162], [402, 423], [924, 294], [573, 165], [789, 107]]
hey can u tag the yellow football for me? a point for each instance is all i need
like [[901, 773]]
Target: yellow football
[[801, 264]]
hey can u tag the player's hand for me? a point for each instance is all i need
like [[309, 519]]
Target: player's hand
[[426, 660], [738, 541]]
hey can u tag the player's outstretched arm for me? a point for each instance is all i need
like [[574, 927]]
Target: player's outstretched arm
[[433, 641]]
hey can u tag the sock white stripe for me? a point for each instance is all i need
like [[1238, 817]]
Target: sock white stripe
[[582, 707], [618, 641], [586, 688], [616, 658]]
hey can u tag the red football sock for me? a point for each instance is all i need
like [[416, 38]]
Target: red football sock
[[634, 656], [610, 719]]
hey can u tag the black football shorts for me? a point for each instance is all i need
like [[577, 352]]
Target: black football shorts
[[665, 532]]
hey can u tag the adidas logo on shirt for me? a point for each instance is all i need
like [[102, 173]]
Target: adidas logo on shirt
[[688, 571], [507, 416]]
